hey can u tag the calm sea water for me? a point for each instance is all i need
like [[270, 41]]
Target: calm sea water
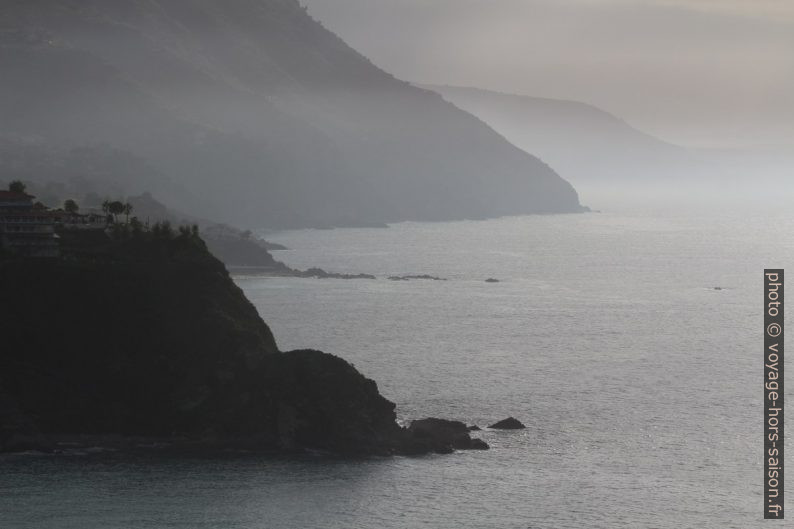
[[639, 382]]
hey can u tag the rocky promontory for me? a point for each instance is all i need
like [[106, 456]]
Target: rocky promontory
[[414, 277], [147, 336]]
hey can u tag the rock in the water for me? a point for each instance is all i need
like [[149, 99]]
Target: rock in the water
[[510, 423], [474, 428], [492, 280], [410, 277], [440, 436], [319, 273], [479, 444]]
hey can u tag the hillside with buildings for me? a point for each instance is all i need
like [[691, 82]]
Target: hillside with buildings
[[29, 228]]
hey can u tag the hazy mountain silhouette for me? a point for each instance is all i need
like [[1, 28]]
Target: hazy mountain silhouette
[[587, 145], [256, 109]]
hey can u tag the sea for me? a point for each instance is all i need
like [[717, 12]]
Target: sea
[[629, 341]]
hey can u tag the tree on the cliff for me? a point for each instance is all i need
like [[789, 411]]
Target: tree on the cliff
[[106, 206], [163, 230], [71, 207], [127, 211], [17, 186]]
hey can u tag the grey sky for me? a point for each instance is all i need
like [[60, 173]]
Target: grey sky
[[698, 72]]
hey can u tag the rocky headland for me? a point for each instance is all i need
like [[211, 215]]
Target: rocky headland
[[146, 336]]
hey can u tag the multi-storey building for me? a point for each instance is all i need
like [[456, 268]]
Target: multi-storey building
[[26, 228]]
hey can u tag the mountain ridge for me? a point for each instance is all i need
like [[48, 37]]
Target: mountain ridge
[[260, 112]]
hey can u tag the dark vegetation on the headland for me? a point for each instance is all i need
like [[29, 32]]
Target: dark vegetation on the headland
[[240, 250], [137, 330]]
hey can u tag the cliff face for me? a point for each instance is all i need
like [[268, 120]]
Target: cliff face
[[267, 117], [151, 337]]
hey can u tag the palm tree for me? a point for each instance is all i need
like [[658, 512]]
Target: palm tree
[[106, 210], [114, 208], [127, 211]]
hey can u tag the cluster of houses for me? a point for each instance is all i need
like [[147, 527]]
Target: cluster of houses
[[31, 229]]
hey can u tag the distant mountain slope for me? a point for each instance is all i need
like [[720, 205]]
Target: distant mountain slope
[[587, 145], [261, 113]]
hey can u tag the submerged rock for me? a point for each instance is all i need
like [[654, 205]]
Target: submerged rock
[[510, 423], [492, 280]]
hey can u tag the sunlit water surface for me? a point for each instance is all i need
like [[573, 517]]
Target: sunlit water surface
[[639, 382]]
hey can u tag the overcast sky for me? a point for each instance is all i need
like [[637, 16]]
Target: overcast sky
[[696, 72]]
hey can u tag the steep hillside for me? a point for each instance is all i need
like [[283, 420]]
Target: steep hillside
[[587, 145], [264, 115]]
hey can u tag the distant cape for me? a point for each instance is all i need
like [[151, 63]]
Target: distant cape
[[586, 144]]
